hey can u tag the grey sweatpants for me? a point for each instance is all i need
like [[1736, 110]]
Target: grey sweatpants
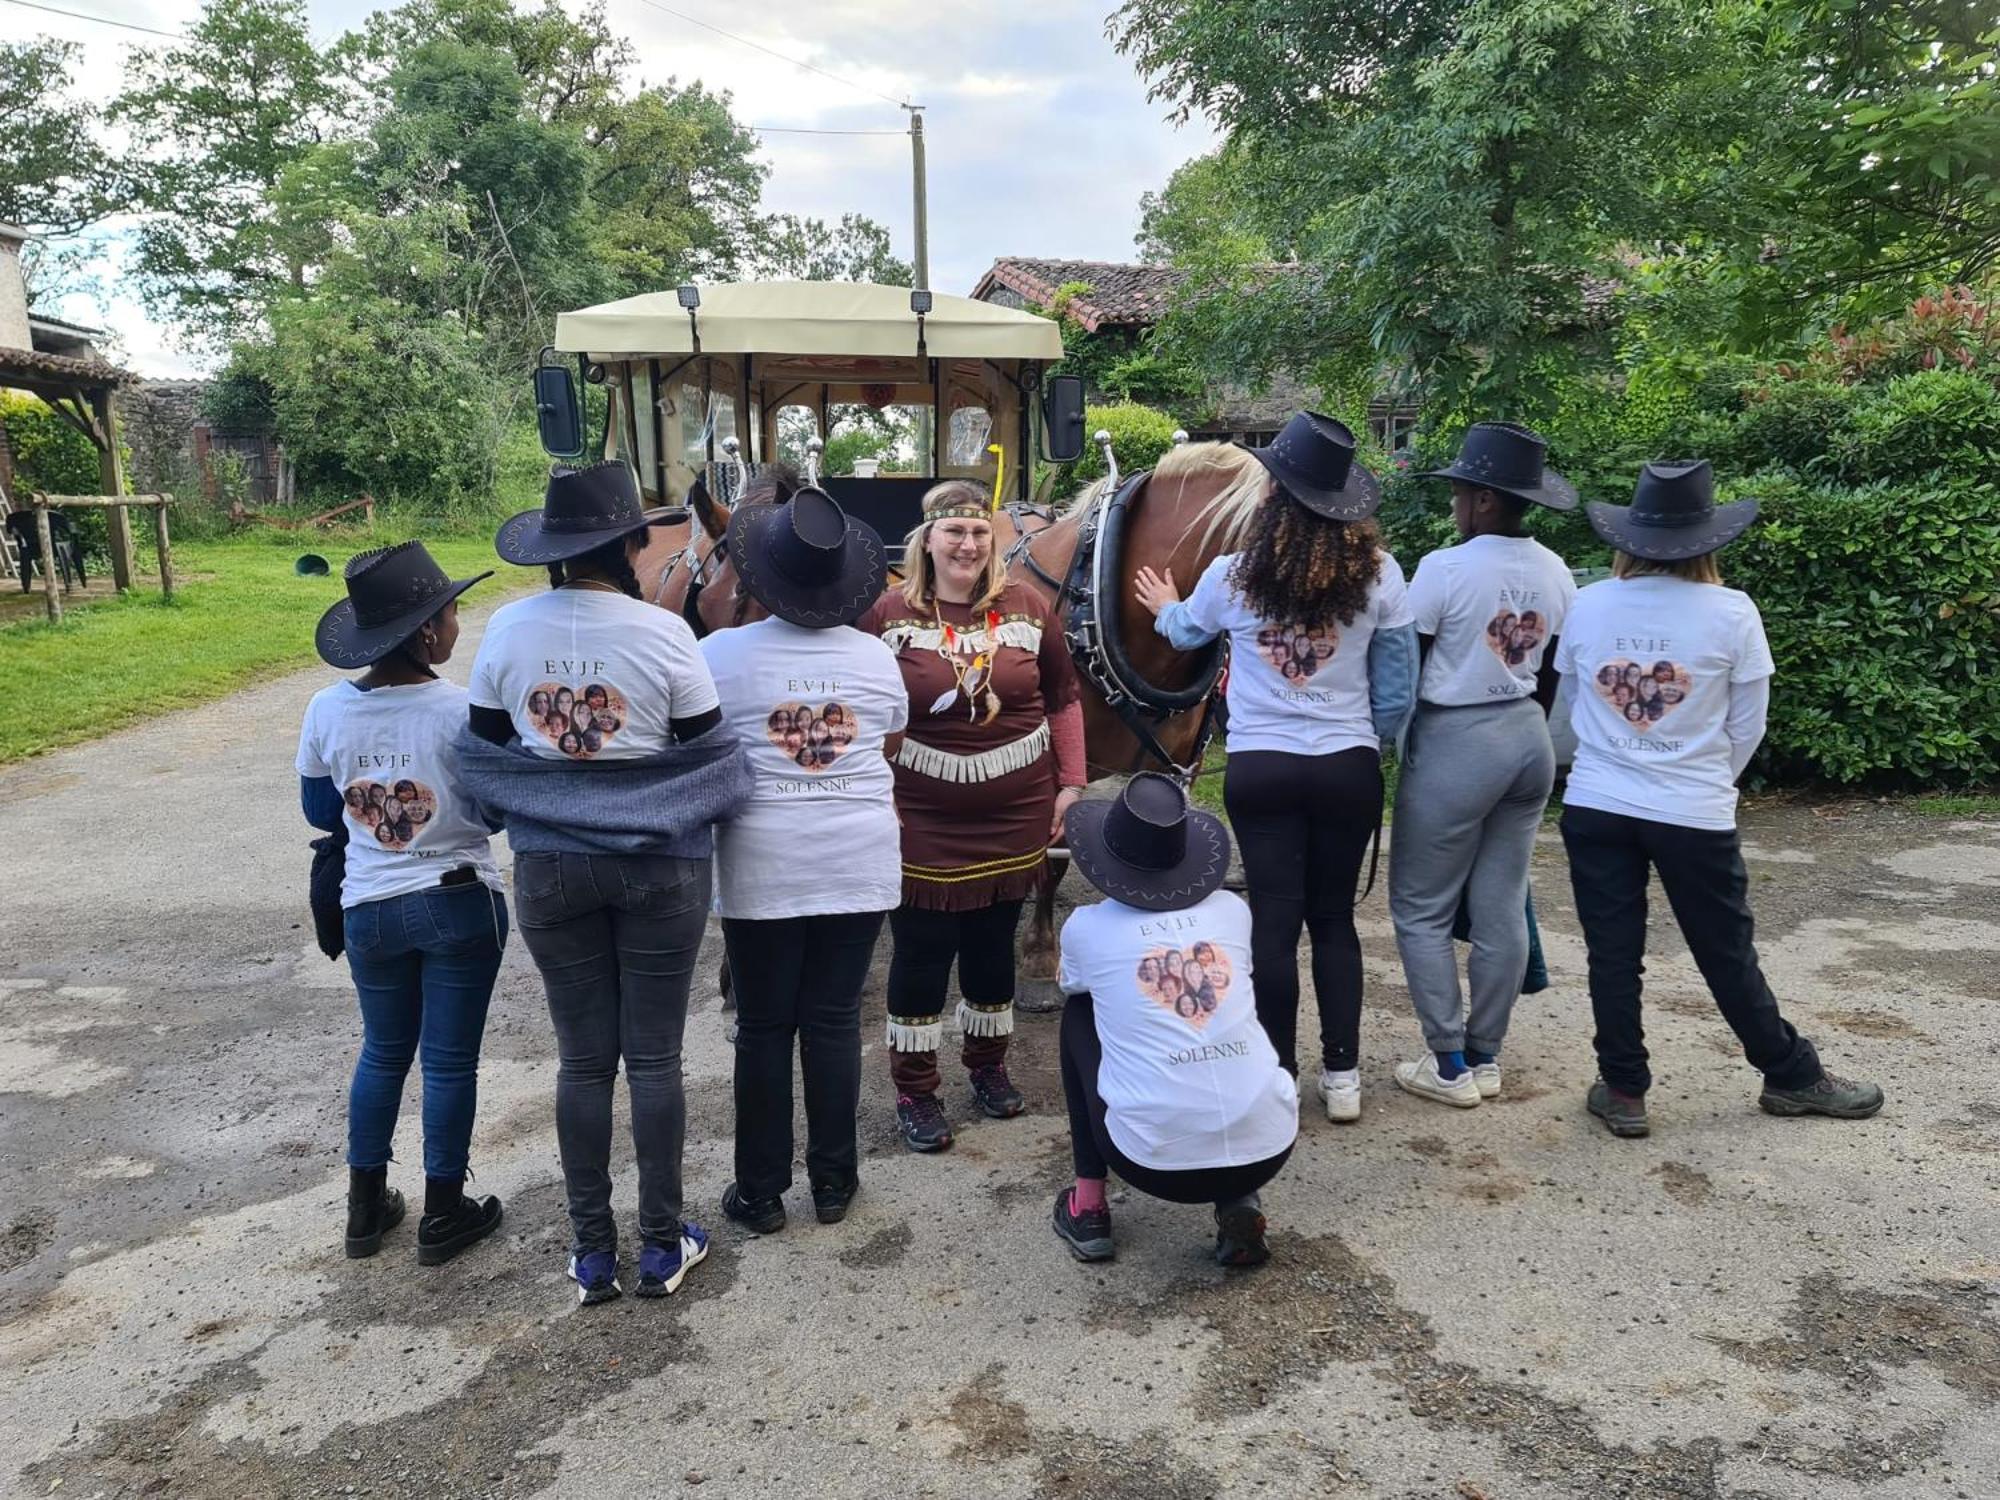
[[1474, 783]]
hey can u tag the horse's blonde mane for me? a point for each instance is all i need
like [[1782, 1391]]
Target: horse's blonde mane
[[1241, 485]]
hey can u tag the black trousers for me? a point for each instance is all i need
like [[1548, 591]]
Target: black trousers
[[981, 941], [798, 977], [1304, 823], [1702, 871], [1090, 1142]]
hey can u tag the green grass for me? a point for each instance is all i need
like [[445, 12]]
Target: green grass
[[242, 616], [1957, 807]]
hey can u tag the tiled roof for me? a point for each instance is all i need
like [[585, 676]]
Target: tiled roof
[[1120, 295], [33, 365]]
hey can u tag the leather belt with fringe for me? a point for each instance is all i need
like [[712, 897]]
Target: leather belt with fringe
[[987, 765]]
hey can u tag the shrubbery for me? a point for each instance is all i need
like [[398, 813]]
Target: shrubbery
[[1876, 557], [1139, 435]]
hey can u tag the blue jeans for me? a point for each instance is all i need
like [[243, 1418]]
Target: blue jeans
[[424, 965]]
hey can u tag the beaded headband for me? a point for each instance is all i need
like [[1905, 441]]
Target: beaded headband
[[955, 506]]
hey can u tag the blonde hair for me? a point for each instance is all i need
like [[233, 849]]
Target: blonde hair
[[1241, 486], [919, 575], [1703, 569]]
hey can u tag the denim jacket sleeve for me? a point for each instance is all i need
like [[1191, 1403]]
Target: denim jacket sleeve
[[320, 800], [1178, 626], [1392, 681]]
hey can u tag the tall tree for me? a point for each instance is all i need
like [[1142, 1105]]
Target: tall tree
[[55, 178], [215, 121], [856, 249]]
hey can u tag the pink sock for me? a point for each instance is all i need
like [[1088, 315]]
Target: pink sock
[[1087, 1196]]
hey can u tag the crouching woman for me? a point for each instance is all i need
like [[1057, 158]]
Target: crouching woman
[[1170, 1079]]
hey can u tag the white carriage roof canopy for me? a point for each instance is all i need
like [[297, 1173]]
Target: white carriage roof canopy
[[854, 318]]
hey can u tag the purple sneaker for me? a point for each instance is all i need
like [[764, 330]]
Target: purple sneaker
[[595, 1273], [662, 1268]]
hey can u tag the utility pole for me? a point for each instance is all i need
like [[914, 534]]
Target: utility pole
[[921, 214]]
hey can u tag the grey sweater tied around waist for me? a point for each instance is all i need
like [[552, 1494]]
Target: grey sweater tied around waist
[[666, 803]]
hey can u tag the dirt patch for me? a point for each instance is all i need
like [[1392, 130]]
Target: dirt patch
[[990, 1426], [1883, 1025], [882, 1248], [1083, 1466], [1849, 1333], [26, 1238], [1436, 1147], [1493, 1190], [477, 1441], [1683, 1183], [1320, 1304]]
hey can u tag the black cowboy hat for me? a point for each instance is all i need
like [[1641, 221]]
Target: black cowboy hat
[[391, 592], [581, 510], [806, 560], [1147, 847], [1313, 458], [1673, 514], [1500, 456]]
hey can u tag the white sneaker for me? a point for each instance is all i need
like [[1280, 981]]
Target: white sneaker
[[1421, 1078], [1342, 1094], [1487, 1077]]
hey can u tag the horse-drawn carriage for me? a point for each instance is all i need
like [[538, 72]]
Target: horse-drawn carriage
[[704, 383]]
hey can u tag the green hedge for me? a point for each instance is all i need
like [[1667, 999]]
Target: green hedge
[[1139, 435]]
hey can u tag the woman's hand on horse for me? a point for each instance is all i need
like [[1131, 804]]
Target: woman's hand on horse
[[1067, 798], [1156, 590]]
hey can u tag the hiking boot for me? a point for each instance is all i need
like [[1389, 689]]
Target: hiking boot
[[996, 1093], [662, 1268], [1239, 1233], [373, 1208], [1623, 1114], [1839, 1098], [1340, 1092], [452, 1222], [830, 1199], [758, 1215], [924, 1126], [1423, 1079], [1087, 1234], [595, 1273]]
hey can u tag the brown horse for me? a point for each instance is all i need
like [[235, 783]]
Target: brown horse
[[1195, 506]]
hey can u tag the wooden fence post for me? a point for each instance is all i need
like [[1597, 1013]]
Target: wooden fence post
[[160, 545], [50, 569], [111, 477]]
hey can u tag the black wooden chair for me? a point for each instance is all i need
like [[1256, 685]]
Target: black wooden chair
[[28, 547]]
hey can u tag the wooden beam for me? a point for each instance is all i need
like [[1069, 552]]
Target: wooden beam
[[111, 476], [99, 502], [50, 590], [162, 546]]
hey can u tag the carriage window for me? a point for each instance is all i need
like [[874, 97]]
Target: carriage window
[[642, 407], [971, 430], [797, 426], [894, 439], [694, 447]]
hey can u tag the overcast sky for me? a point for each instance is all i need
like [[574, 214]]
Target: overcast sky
[[1040, 136]]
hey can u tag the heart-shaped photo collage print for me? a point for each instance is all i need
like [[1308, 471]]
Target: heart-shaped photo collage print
[[1191, 982], [1515, 637], [812, 737], [395, 814], [1296, 652], [1643, 693], [580, 722]]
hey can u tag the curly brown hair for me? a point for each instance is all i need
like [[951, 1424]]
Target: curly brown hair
[[1300, 568]]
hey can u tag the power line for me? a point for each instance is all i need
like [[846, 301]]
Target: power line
[[781, 57], [78, 15], [799, 130]]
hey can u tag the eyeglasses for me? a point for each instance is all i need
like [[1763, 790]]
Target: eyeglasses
[[959, 535]]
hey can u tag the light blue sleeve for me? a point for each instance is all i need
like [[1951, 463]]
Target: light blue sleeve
[[1392, 680], [1197, 619]]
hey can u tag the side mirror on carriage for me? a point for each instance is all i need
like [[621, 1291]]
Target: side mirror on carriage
[[1062, 419], [558, 412]]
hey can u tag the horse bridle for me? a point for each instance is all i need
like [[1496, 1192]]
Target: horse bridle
[[697, 564]]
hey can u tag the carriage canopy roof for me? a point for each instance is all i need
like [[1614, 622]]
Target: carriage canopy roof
[[851, 318]]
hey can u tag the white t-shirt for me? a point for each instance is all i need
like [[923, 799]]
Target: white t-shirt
[[1189, 1079], [819, 833], [1291, 688], [590, 674], [389, 752], [1491, 605], [1652, 660]]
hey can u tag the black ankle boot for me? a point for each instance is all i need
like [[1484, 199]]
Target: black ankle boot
[[372, 1208], [452, 1221]]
